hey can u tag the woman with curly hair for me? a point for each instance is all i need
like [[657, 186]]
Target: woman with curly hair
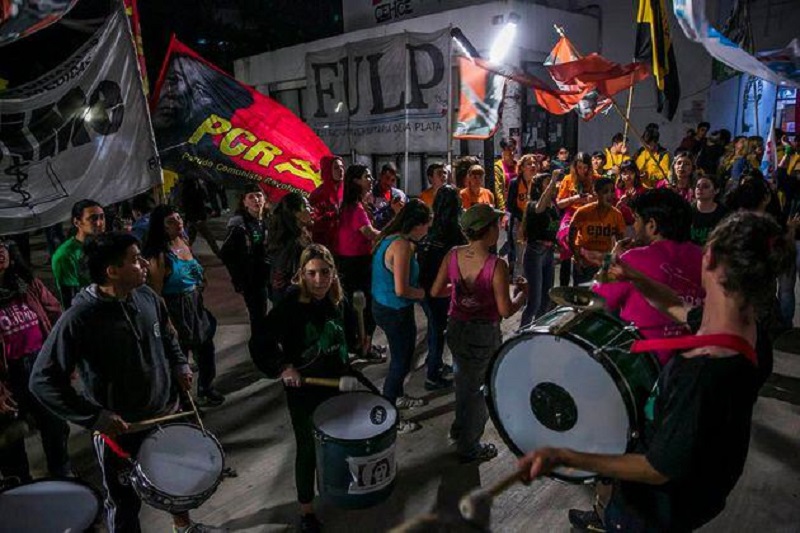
[[177, 275]]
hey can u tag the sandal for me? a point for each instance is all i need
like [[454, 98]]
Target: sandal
[[485, 452]]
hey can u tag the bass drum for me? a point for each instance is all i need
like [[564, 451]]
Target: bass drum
[[48, 506], [570, 381], [355, 436]]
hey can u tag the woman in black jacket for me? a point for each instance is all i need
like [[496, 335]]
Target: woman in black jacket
[[307, 335], [244, 254], [444, 234]]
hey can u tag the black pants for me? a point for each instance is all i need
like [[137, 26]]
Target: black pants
[[302, 402], [255, 298], [122, 504], [54, 431], [356, 274]]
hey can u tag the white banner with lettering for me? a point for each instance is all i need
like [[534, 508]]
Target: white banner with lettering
[[80, 131], [384, 95]]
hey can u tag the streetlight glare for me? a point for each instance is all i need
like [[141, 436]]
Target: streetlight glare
[[502, 43]]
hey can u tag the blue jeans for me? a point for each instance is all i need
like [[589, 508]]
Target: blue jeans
[[401, 332], [539, 266], [786, 284], [436, 312], [511, 242]]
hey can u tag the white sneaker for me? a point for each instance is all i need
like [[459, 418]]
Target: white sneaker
[[407, 426], [409, 402]]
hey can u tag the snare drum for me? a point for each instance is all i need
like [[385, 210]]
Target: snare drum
[[48, 506], [178, 468], [354, 435], [570, 381]]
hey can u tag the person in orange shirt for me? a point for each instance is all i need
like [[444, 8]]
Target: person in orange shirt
[[473, 193], [594, 230], [574, 191], [437, 176]]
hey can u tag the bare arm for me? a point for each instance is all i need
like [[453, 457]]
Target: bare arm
[[441, 287], [369, 232], [568, 201], [546, 198], [628, 467], [506, 306], [399, 254]]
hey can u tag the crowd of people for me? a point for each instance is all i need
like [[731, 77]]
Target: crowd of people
[[662, 235]]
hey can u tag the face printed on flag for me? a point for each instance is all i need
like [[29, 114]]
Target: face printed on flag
[[206, 122]]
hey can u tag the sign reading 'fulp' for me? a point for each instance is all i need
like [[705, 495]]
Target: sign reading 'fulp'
[[381, 95]]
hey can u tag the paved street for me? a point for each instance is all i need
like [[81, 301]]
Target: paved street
[[254, 428]]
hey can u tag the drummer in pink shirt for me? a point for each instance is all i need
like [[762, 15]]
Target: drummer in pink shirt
[[662, 223]]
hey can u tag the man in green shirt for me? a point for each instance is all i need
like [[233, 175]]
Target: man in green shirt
[[68, 269]]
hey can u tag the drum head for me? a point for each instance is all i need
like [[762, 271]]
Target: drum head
[[355, 416], [547, 391], [180, 460], [48, 506]]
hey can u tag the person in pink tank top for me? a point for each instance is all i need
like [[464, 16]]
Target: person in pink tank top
[[477, 282]]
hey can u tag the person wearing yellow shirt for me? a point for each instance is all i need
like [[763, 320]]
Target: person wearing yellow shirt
[[505, 169], [652, 158], [616, 154]]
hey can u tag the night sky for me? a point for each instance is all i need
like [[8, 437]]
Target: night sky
[[219, 30]]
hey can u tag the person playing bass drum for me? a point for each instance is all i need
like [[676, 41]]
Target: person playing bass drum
[[307, 336], [697, 429]]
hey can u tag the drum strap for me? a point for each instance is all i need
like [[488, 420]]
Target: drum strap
[[115, 447], [719, 340]]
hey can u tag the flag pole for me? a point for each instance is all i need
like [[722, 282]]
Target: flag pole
[[560, 31], [628, 111]]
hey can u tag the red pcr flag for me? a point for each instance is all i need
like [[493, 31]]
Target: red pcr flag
[[207, 123]]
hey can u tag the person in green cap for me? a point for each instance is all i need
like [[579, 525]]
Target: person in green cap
[[477, 282], [69, 272]]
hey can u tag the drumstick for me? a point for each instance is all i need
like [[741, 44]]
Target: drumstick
[[196, 413], [144, 424], [359, 304], [477, 504], [344, 384]]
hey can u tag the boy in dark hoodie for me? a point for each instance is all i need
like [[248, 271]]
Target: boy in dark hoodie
[[117, 334]]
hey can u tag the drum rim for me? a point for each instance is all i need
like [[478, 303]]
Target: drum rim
[[612, 369], [75, 481], [137, 468], [391, 429]]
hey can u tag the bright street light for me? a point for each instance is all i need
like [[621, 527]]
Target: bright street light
[[502, 43]]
